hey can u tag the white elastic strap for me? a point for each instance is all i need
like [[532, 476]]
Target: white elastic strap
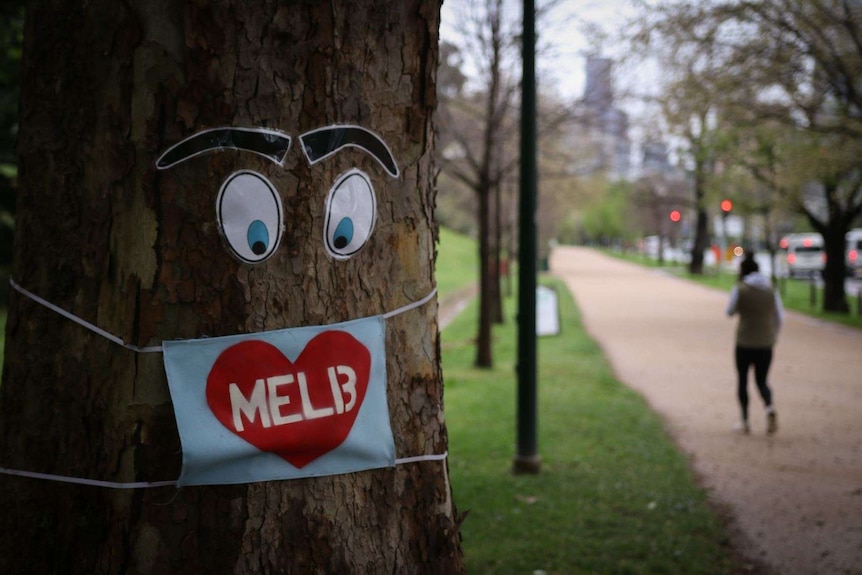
[[91, 482], [412, 305], [86, 324], [158, 348], [435, 457], [149, 484]]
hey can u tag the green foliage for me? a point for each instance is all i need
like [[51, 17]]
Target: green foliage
[[613, 495], [607, 217]]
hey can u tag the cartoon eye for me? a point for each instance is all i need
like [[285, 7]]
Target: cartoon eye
[[250, 216], [351, 209]]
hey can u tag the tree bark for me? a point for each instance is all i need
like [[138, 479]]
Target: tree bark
[[699, 245], [499, 317], [107, 87], [833, 230], [484, 349], [701, 229], [834, 271]]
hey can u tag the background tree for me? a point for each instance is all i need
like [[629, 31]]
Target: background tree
[[758, 150], [570, 182], [612, 216], [809, 57], [797, 64], [106, 88], [656, 196], [475, 127], [480, 90], [688, 97], [827, 173], [692, 119]]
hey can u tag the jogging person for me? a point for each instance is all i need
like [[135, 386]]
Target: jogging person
[[761, 313]]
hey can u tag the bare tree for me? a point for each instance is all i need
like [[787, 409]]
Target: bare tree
[[693, 120], [475, 126]]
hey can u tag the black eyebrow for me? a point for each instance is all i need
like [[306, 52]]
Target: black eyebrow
[[324, 142], [271, 144]]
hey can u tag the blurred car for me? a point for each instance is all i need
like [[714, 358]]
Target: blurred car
[[801, 255]]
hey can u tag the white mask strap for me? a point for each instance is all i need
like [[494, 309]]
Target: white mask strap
[[86, 324], [412, 305], [158, 348]]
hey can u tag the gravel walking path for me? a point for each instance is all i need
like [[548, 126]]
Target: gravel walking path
[[794, 498]]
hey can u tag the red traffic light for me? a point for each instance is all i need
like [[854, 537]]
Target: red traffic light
[[726, 205], [675, 216]]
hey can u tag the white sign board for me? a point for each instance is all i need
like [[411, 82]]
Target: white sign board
[[547, 312]]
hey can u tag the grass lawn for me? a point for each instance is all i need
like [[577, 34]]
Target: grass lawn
[[457, 262], [614, 495]]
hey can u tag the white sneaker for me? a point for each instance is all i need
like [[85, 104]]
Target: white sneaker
[[742, 427]]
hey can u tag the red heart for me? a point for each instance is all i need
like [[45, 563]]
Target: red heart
[[298, 410]]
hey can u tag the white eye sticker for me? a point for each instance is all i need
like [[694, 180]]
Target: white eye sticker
[[250, 216], [351, 209]]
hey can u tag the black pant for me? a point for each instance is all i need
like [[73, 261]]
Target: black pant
[[760, 358]]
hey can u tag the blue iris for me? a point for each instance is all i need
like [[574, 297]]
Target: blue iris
[[258, 237], [343, 233]]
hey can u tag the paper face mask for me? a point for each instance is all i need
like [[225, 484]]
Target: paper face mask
[[281, 404]]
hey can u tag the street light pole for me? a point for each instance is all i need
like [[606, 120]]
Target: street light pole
[[527, 459]]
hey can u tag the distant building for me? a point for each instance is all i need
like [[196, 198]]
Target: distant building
[[655, 159], [598, 94], [601, 132]]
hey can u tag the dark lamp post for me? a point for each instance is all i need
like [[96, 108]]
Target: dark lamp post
[[527, 459]]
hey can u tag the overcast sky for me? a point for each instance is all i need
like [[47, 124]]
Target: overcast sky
[[565, 33]]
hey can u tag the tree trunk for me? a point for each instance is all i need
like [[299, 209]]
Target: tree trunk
[[768, 234], [701, 229], [107, 87], [701, 235], [498, 318], [484, 350], [833, 231], [834, 271]]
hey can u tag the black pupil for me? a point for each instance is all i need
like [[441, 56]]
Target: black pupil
[[258, 248], [340, 242]]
